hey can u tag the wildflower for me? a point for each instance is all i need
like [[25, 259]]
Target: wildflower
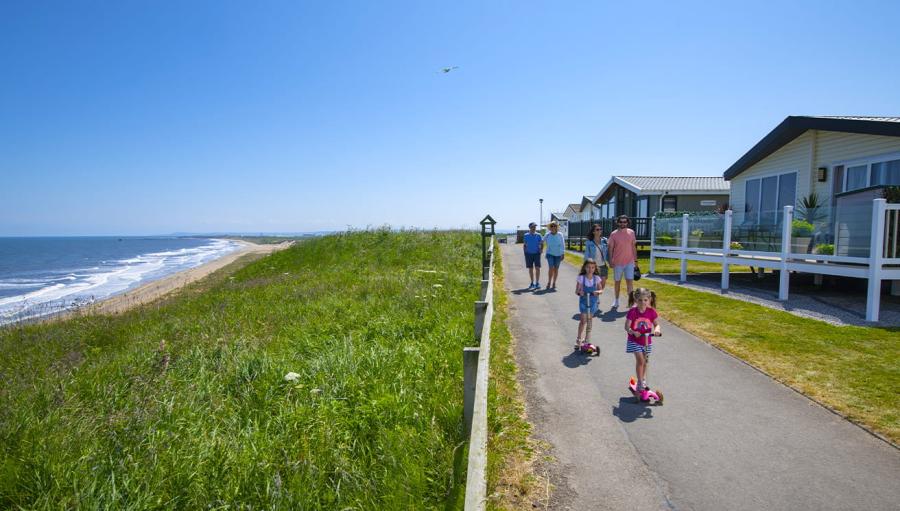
[[291, 376], [437, 285]]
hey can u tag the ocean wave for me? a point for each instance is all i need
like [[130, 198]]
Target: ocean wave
[[96, 283]]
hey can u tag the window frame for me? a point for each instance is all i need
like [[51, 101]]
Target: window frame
[[756, 212], [642, 206], [867, 161], [663, 204]]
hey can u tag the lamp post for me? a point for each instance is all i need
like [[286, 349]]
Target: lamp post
[[541, 216]]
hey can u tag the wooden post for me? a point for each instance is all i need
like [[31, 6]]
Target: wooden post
[[684, 244], [480, 310], [784, 280], [470, 375], [726, 250], [484, 286], [876, 258]]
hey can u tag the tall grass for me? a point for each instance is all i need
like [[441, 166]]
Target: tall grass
[[184, 404]]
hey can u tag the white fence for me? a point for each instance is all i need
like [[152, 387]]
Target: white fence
[[475, 385], [882, 263]]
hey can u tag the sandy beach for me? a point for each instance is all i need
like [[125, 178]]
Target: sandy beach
[[158, 288]]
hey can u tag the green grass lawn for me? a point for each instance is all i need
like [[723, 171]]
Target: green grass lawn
[[512, 483], [99, 412], [664, 265], [853, 370]]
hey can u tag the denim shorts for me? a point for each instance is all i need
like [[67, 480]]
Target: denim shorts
[[627, 270], [532, 260], [589, 302], [553, 261]]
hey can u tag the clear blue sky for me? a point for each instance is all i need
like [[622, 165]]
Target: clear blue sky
[[155, 117]]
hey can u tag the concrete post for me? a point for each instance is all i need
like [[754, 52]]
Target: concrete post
[[470, 375], [480, 311], [784, 281], [726, 250], [876, 258], [684, 243]]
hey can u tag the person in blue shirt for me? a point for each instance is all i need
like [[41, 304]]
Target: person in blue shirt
[[534, 244], [556, 249]]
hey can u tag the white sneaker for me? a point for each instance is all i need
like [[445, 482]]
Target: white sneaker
[[615, 303]]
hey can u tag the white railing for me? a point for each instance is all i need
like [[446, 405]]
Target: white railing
[[881, 264], [475, 393], [892, 233]]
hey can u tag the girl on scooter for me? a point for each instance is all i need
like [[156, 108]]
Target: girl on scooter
[[587, 287], [641, 323]]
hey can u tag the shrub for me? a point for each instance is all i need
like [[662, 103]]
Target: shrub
[[892, 194], [665, 239], [824, 249], [736, 245], [801, 228]]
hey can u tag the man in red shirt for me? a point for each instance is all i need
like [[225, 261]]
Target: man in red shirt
[[622, 256]]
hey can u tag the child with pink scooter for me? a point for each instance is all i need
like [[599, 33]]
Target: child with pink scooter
[[587, 287], [641, 325]]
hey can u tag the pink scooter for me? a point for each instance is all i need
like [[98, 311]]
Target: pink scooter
[[653, 397], [586, 347], [589, 349]]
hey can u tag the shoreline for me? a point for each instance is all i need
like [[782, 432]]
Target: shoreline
[[156, 289]]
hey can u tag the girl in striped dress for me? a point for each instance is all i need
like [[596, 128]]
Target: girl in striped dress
[[640, 321]]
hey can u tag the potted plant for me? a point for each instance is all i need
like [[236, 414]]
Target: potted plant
[[824, 249], [811, 209], [892, 194], [801, 234]]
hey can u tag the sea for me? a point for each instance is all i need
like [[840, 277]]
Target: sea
[[45, 276]]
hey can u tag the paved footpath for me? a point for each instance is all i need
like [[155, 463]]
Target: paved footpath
[[728, 437]]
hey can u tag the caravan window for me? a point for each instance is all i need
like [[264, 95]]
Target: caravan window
[[670, 204], [874, 173], [856, 177], [765, 198], [642, 207], [886, 173]]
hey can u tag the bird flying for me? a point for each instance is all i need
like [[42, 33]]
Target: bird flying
[[446, 70]]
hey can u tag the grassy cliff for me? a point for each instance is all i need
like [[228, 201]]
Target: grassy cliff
[[184, 403]]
